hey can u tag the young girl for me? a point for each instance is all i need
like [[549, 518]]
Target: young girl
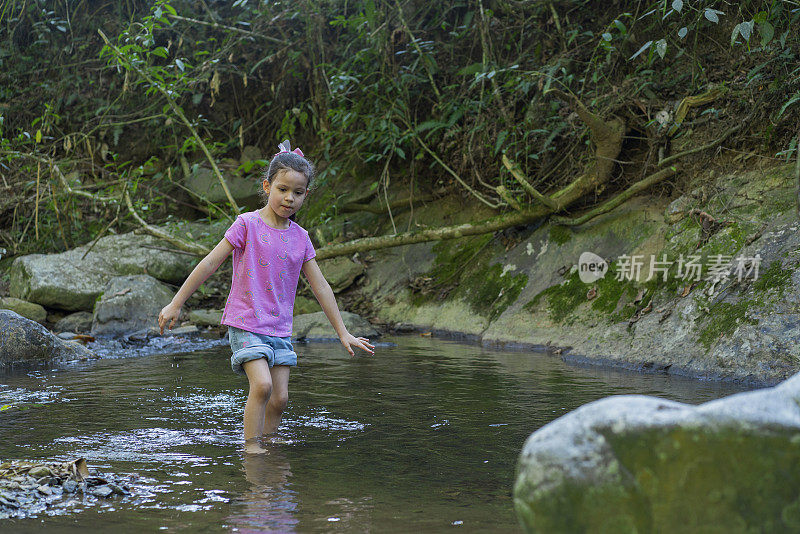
[[269, 251]]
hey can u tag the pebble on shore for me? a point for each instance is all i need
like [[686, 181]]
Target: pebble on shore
[[28, 489]]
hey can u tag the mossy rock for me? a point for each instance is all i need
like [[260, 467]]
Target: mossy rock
[[73, 280], [29, 310], [205, 317], [465, 271], [641, 464], [303, 305]]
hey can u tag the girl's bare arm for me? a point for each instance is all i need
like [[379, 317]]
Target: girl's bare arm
[[322, 290], [203, 270]]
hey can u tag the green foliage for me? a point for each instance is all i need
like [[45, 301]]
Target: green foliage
[[382, 91]]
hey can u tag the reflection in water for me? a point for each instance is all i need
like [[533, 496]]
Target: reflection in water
[[420, 437], [269, 504]]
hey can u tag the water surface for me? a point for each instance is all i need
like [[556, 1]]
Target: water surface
[[423, 437]]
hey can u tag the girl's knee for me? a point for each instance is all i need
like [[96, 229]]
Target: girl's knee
[[279, 401], [261, 389]]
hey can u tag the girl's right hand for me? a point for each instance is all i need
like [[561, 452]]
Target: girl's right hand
[[168, 316]]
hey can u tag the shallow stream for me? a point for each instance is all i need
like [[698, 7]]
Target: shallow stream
[[423, 437]]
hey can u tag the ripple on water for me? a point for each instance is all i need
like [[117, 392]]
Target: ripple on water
[[49, 394], [149, 445]]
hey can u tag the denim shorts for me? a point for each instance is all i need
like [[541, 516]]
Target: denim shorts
[[247, 346]]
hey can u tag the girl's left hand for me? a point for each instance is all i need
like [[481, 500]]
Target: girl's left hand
[[349, 341]]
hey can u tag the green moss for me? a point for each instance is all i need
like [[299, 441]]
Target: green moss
[[492, 291], [729, 240], [563, 300], [724, 317], [613, 294], [560, 234], [453, 258], [775, 276], [461, 269]]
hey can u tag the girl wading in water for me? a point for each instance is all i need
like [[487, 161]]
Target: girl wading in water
[[269, 251]]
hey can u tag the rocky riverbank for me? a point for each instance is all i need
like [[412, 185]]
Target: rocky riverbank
[[721, 302], [704, 285], [109, 296]]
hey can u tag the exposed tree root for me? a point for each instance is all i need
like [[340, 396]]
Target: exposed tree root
[[607, 137], [609, 205], [693, 102], [526, 185]]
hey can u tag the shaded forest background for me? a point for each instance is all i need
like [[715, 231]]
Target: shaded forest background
[[105, 106]]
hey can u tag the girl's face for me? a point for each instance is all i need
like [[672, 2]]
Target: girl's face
[[286, 193]]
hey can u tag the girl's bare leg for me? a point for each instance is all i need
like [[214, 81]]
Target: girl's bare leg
[[258, 374], [278, 399]]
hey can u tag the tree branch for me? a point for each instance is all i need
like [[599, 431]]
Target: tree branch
[[229, 28], [161, 234], [503, 193], [179, 112], [517, 173]]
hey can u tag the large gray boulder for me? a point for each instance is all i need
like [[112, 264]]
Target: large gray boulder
[[315, 326], [69, 281], [23, 341], [203, 182], [129, 304], [640, 464], [340, 272]]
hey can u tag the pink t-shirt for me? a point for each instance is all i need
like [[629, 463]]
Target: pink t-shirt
[[266, 268]]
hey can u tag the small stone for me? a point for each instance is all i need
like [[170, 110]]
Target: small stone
[[206, 317], [44, 490], [77, 322], [119, 490], [29, 310], [70, 486], [184, 330], [142, 335], [8, 499], [102, 491]]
